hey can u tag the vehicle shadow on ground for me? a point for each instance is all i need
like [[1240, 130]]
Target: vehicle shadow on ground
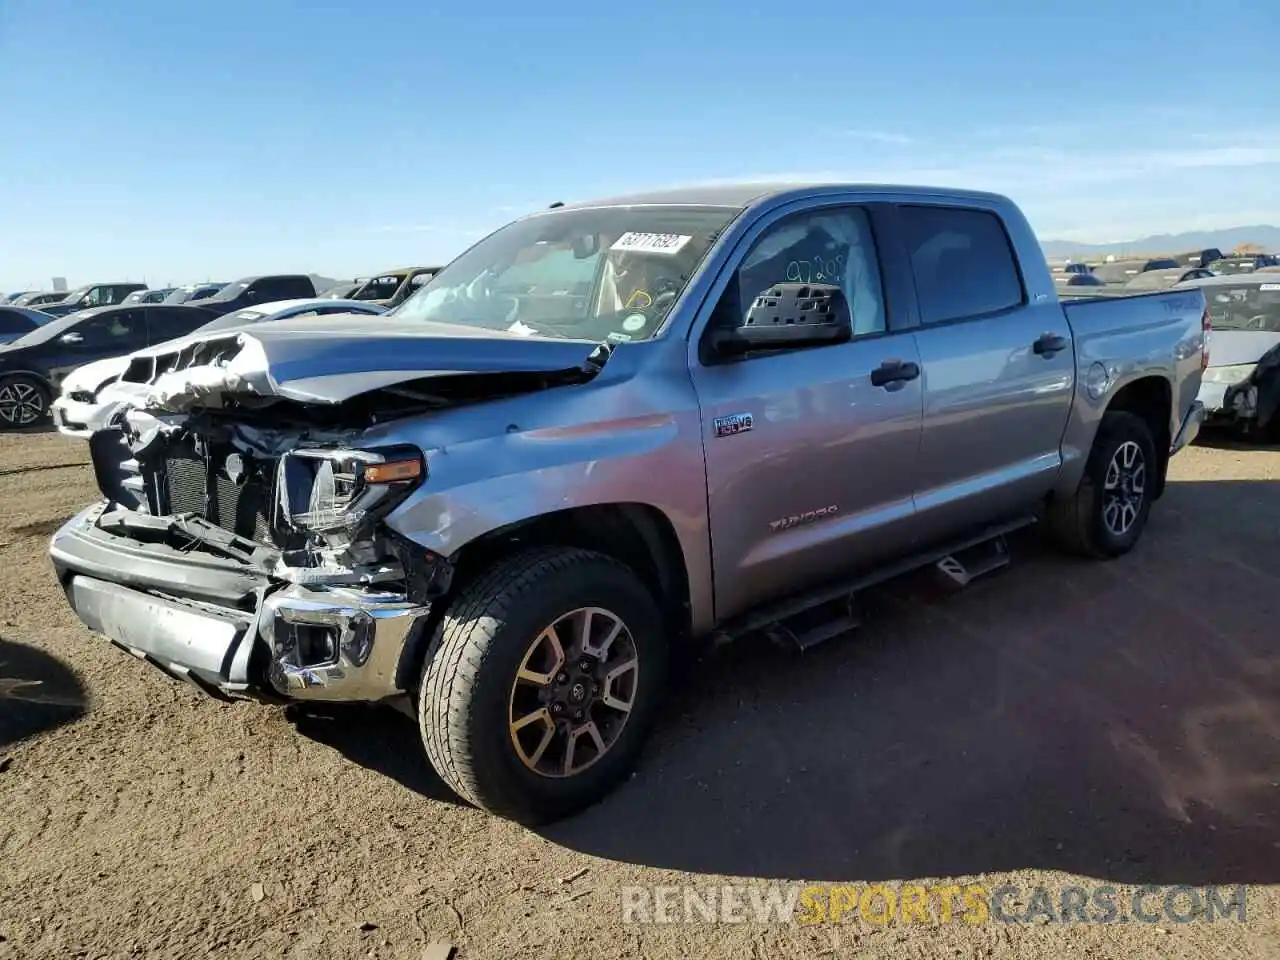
[[1221, 438], [37, 693], [377, 738], [1118, 720]]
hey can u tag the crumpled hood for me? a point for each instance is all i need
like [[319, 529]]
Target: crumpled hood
[[331, 359]]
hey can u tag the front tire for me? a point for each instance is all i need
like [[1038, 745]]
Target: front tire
[[1106, 516], [24, 402], [541, 682]]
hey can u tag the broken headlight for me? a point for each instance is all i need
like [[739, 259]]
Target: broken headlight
[[343, 491], [1235, 373]]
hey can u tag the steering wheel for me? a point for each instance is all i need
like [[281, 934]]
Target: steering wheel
[[1257, 322]]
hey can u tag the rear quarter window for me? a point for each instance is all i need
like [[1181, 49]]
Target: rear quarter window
[[963, 262]]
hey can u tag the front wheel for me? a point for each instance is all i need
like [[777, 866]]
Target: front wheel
[[24, 402], [541, 682], [1106, 516]]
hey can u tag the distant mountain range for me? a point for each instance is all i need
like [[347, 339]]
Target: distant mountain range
[[1265, 236]]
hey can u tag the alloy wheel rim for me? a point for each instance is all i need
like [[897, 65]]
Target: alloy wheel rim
[[20, 404], [573, 692], [1124, 488]]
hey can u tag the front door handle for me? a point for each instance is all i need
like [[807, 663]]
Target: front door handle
[[1049, 344], [894, 371]]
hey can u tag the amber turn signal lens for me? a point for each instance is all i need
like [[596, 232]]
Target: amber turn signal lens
[[392, 472]]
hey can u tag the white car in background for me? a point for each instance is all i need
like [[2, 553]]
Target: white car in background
[[90, 396]]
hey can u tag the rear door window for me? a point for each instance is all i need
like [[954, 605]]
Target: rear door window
[[963, 262]]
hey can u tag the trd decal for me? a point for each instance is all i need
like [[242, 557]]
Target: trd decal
[[800, 519]]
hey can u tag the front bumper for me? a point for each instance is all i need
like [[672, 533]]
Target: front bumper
[[1190, 428], [77, 419], [1213, 396], [229, 628]]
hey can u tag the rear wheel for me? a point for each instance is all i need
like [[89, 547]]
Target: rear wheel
[[1108, 512], [24, 402], [541, 682]]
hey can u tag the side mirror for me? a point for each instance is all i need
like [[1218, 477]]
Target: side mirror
[[790, 315], [71, 338]]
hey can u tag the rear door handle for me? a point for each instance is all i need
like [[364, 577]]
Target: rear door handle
[[1049, 344], [894, 371]]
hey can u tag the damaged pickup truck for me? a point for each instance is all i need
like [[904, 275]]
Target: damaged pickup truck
[[715, 411]]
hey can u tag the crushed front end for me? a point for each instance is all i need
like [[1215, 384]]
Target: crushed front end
[[248, 556]]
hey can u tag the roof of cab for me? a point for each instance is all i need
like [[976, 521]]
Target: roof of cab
[[744, 194]]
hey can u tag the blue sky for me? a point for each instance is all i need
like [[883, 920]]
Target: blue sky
[[183, 141]]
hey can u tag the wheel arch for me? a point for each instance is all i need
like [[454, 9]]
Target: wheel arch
[[638, 535], [1151, 399]]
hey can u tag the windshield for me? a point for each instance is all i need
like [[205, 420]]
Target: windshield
[[229, 292], [1247, 307], [75, 295], [603, 273], [379, 288]]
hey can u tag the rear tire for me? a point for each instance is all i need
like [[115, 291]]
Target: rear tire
[[476, 696], [1108, 512], [24, 402]]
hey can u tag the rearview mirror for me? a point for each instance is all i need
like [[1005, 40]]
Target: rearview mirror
[[790, 315]]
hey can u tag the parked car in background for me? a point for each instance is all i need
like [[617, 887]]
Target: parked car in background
[[148, 296], [32, 367], [1234, 266], [11, 297], [40, 299], [1166, 277], [1077, 268], [1079, 280], [1241, 387], [192, 292], [17, 322], [1119, 271], [91, 394], [1199, 258], [94, 295], [267, 288], [392, 287], [510, 503]]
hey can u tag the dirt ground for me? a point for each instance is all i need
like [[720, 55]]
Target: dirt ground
[[1060, 722]]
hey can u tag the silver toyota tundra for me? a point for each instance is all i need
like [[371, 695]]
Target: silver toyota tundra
[[607, 430]]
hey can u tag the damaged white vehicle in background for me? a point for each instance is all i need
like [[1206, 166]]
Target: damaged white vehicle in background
[[92, 396]]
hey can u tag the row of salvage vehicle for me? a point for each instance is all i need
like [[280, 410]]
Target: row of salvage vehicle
[[606, 431], [94, 328]]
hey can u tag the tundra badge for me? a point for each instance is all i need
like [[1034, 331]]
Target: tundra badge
[[733, 423]]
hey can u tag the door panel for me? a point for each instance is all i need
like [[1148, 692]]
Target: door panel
[[821, 480], [998, 373]]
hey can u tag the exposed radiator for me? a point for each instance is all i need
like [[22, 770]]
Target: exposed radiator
[[192, 483]]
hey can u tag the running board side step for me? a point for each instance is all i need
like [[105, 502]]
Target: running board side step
[[809, 619]]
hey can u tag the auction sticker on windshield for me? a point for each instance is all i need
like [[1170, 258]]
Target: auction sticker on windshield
[[650, 243]]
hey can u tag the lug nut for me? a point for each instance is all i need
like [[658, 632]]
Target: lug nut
[[557, 708], [562, 678], [578, 715]]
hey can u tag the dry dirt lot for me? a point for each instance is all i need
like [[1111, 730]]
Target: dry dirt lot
[[1060, 722]]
